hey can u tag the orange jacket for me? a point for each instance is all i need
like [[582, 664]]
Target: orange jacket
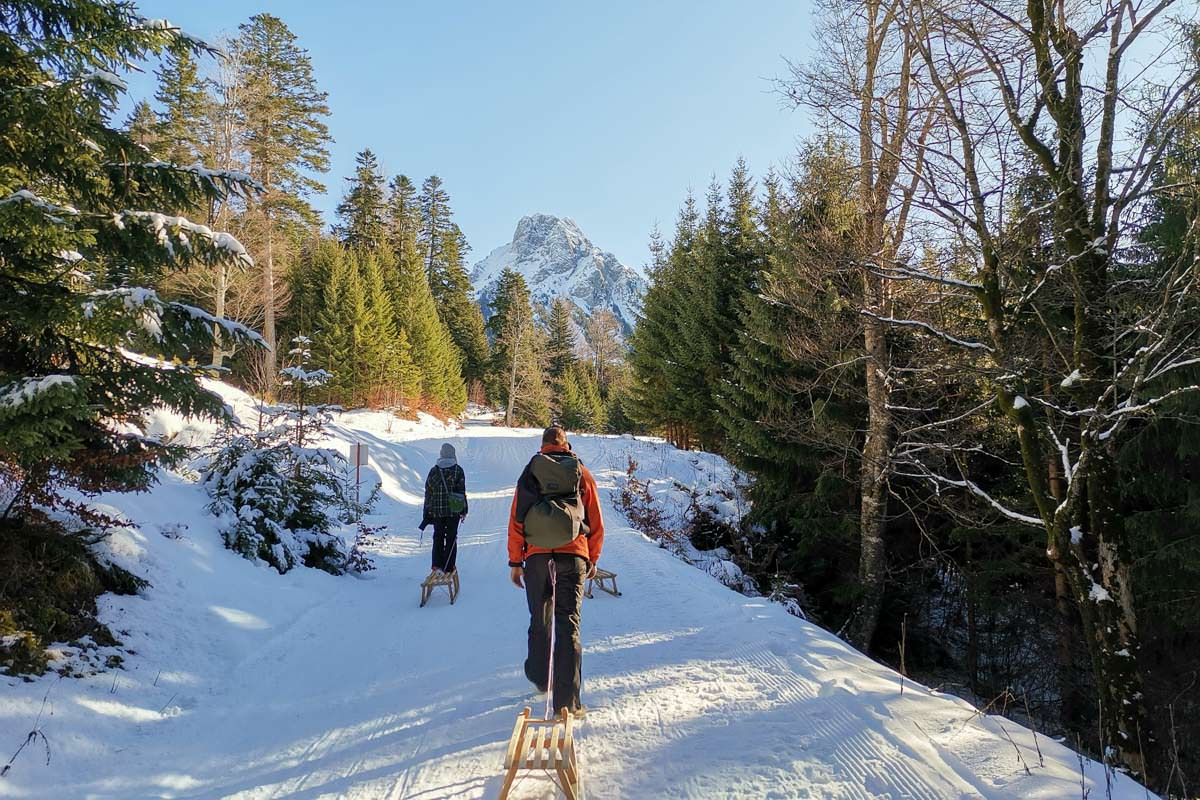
[[586, 545]]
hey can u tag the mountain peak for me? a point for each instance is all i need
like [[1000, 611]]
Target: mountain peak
[[557, 259]]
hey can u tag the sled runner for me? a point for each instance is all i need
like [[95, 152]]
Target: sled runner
[[547, 745], [435, 579], [603, 575]]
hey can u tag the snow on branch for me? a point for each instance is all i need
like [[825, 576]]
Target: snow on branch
[[213, 177], [235, 329], [52, 210], [173, 230], [913, 323], [901, 272], [976, 490], [25, 390]]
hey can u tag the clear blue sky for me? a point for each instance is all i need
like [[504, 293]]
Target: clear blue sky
[[604, 112]]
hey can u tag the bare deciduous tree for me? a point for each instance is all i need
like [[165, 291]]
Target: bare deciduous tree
[[865, 79], [1077, 346]]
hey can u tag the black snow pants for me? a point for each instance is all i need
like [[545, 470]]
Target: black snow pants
[[564, 614], [445, 543]]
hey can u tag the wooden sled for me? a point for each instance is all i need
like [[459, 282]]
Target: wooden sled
[[547, 745], [603, 575], [436, 579]]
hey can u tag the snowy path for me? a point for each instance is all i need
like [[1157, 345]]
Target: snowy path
[[252, 685]]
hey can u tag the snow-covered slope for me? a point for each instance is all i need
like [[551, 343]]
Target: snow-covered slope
[[557, 260], [239, 682]]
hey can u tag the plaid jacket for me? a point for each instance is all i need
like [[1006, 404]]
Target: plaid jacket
[[437, 494]]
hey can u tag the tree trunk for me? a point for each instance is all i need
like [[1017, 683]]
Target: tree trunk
[[872, 563], [512, 381], [219, 309]]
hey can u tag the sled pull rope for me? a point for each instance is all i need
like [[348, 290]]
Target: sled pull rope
[[553, 627]]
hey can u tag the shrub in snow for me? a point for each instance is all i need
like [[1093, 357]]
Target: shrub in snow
[[279, 500]]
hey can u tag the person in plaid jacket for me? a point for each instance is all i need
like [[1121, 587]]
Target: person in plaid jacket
[[445, 507]]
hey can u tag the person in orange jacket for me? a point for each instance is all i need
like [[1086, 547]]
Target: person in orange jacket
[[555, 524]]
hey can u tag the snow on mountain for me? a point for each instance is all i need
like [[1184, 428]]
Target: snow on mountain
[[558, 260]]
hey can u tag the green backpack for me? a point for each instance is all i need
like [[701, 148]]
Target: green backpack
[[557, 517]]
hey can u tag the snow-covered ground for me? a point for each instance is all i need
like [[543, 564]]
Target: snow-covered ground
[[239, 682]]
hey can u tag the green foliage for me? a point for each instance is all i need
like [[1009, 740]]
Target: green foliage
[[279, 499], [579, 401], [185, 101], [517, 377], [81, 240], [282, 109], [362, 214]]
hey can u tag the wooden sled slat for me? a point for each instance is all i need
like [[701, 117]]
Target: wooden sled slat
[[436, 579], [545, 745]]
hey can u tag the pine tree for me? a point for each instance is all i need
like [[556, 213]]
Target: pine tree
[[462, 315], [82, 237], [443, 249], [142, 128], [333, 338], [433, 349], [560, 342], [363, 211], [517, 376], [388, 371], [403, 219], [664, 374], [435, 222], [286, 139], [184, 100]]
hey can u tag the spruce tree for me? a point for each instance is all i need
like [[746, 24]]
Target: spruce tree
[[385, 359], [560, 341], [333, 337], [664, 376], [88, 347], [142, 128], [363, 212], [403, 219], [435, 222], [184, 100], [452, 291], [433, 349], [517, 377], [286, 139]]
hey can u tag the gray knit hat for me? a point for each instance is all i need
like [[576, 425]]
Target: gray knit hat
[[448, 451]]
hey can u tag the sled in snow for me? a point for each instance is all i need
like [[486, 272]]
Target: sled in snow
[[603, 575], [547, 745], [436, 579]]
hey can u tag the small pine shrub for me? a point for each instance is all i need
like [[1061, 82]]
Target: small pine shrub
[[280, 500]]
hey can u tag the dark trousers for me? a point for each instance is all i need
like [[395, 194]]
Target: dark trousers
[[445, 543], [564, 614]]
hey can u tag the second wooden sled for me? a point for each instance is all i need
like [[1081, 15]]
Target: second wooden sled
[[436, 579], [547, 745], [605, 581]]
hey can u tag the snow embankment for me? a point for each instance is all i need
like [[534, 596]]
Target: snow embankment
[[241, 682]]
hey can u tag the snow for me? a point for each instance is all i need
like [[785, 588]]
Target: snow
[[104, 76], [1076, 534], [26, 196], [1020, 402], [558, 260], [1098, 593], [1070, 380], [22, 392], [240, 682]]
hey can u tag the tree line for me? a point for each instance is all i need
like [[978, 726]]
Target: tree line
[[385, 297], [955, 346]]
